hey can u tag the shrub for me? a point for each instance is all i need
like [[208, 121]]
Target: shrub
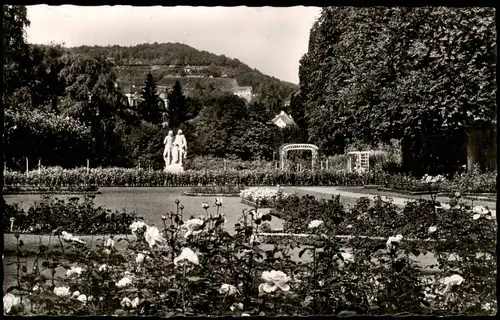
[[227, 189], [194, 267], [73, 215]]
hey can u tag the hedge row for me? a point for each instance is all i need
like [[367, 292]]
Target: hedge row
[[474, 182]]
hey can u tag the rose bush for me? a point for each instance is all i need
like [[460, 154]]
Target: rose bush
[[75, 215], [213, 272]]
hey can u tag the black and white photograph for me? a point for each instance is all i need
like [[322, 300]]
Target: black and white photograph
[[233, 161]]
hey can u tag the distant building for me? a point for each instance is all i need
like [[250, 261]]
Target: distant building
[[244, 92], [187, 69], [283, 119]]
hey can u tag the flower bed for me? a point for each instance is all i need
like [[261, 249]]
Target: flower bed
[[263, 197], [194, 267], [121, 177], [51, 190], [215, 191], [74, 215]]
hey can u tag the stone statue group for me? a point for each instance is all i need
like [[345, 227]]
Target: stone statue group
[[175, 150]]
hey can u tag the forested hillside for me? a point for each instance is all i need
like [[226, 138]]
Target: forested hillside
[[169, 59]]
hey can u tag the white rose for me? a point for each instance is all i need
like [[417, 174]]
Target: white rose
[[153, 236], [236, 306], [82, 298], [62, 291], [274, 280], [137, 225], [75, 294], [193, 227], [314, 224], [74, 270], [187, 255], [140, 258], [432, 229], [10, 302], [228, 289], [124, 282], [454, 280], [103, 267]]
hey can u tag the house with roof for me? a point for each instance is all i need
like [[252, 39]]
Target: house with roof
[[244, 92], [283, 119]]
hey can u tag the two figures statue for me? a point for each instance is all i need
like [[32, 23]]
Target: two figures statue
[[175, 151]]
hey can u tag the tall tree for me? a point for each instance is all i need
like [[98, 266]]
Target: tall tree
[[374, 74], [14, 22], [177, 112], [92, 97], [221, 125], [149, 107]]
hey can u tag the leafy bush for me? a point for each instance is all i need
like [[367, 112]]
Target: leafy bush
[[263, 196], [73, 215], [232, 163], [122, 177], [36, 134], [227, 189], [194, 267]]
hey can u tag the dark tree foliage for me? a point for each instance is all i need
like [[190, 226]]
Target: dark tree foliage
[[373, 74], [149, 106], [177, 111]]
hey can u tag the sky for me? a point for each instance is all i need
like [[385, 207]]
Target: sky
[[269, 39]]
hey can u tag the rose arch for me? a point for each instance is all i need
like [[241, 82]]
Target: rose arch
[[298, 146]]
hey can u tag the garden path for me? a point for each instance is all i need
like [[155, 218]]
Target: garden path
[[399, 201]]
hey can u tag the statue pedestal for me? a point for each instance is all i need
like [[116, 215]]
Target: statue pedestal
[[174, 168]]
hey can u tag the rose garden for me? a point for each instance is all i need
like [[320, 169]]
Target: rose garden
[[353, 226]]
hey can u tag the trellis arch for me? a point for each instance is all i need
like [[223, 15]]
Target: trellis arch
[[299, 146]]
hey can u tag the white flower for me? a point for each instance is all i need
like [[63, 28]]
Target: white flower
[[153, 236], [446, 206], [110, 243], [69, 237], [349, 226], [393, 240], [314, 224], [74, 270], [432, 229], [481, 212], [103, 267], [218, 201], [126, 303], [236, 306], [124, 282], [187, 254], [193, 226], [140, 258], [228, 289], [106, 251], [75, 294], [136, 226], [135, 302], [62, 291], [454, 280], [274, 280], [348, 257], [10, 302], [82, 298]]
